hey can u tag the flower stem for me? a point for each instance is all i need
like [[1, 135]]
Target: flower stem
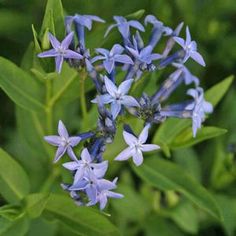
[[49, 108], [82, 96]]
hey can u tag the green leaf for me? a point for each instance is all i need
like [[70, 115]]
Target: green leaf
[[136, 15], [185, 216], [11, 212], [20, 86], [166, 175], [83, 220], [35, 204], [17, 227], [13, 179], [216, 93], [186, 139], [53, 18]]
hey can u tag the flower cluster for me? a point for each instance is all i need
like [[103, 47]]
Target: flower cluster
[[114, 99]]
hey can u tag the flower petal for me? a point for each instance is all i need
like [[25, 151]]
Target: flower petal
[[85, 156], [74, 140], [54, 42], [115, 109], [138, 158], [125, 86], [59, 153], [67, 40], [144, 134], [58, 61], [198, 58], [129, 138], [149, 147], [116, 49], [123, 59], [109, 65], [49, 53], [62, 131], [72, 165], [110, 86], [129, 101], [73, 55], [53, 140], [124, 155]]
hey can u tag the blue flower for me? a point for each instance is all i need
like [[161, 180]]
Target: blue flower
[[60, 51], [104, 193], [185, 73], [190, 48], [124, 26], [145, 55], [136, 147], [110, 57], [117, 96], [63, 142], [83, 20], [86, 165], [199, 107]]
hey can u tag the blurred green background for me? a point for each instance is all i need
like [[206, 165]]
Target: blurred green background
[[213, 25]]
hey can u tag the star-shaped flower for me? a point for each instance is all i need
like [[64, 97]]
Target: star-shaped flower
[[83, 20], [136, 147], [91, 185], [145, 55], [63, 142], [86, 165], [110, 57], [60, 51], [199, 107], [124, 26], [104, 193], [117, 96], [190, 48]]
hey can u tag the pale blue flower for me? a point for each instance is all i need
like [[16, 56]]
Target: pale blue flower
[[104, 192], [60, 51], [136, 147], [190, 48], [111, 57], [117, 96], [86, 165], [199, 107], [145, 55], [124, 26], [63, 142]]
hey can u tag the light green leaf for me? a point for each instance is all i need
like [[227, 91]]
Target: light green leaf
[[18, 227], [136, 15], [83, 220], [186, 139], [216, 93], [35, 204], [53, 18], [166, 175], [20, 86], [13, 179], [185, 216]]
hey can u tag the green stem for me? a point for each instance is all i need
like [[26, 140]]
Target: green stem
[[49, 108], [83, 97]]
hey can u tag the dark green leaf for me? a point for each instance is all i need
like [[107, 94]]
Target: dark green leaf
[[83, 220], [20, 86], [166, 175], [13, 179]]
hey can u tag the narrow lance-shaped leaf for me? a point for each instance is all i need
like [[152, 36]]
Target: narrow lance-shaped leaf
[[185, 138], [20, 86], [13, 179], [83, 220], [168, 176]]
